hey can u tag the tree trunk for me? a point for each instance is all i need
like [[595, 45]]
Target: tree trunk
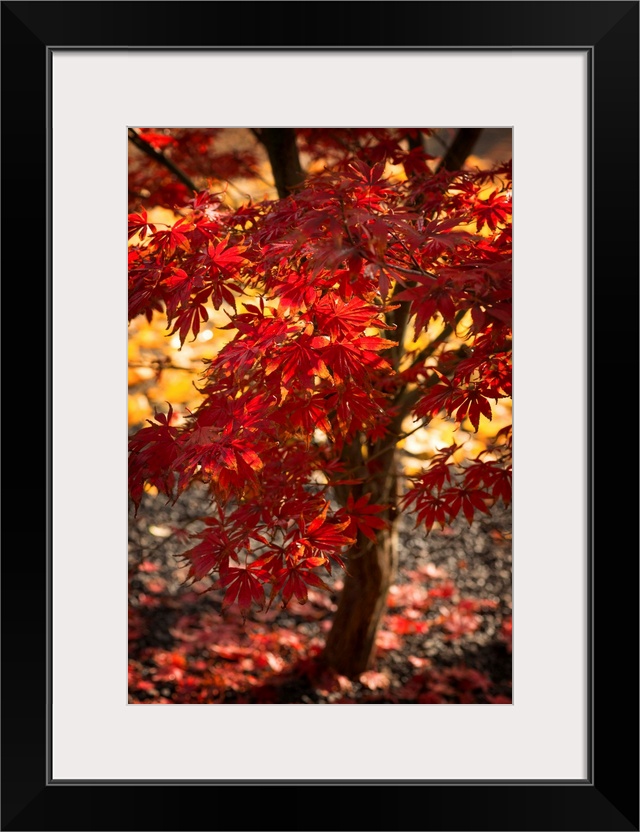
[[351, 643], [371, 569]]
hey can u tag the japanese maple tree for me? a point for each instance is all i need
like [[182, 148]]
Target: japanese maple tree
[[371, 296]]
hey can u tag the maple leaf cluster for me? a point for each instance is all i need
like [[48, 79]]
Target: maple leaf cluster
[[318, 288]]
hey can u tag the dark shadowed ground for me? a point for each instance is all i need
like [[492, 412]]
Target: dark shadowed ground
[[446, 637]]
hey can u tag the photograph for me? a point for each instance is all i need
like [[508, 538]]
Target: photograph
[[319, 415]]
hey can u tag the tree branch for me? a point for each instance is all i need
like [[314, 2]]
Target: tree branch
[[159, 157], [158, 366], [406, 399], [398, 438], [460, 149], [415, 142], [454, 159], [439, 339], [281, 147]]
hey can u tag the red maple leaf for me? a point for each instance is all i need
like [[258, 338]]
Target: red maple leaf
[[361, 516], [243, 588], [457, 499]]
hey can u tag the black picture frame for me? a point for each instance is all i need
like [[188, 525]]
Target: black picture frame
[[608, 798]]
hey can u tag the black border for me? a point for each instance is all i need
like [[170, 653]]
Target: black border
[[608, 799]]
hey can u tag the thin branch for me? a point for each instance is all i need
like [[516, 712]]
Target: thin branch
[[439, 339], [407, 251], [408, 433], [151, 550], [397, 438], [158, 366], [404, 270], [253, 173], [346, 226], [158, 156], [409, 398]]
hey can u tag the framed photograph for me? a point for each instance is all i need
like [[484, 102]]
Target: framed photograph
[[82, 82]]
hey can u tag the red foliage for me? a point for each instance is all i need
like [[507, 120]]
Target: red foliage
[[316, 362]]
